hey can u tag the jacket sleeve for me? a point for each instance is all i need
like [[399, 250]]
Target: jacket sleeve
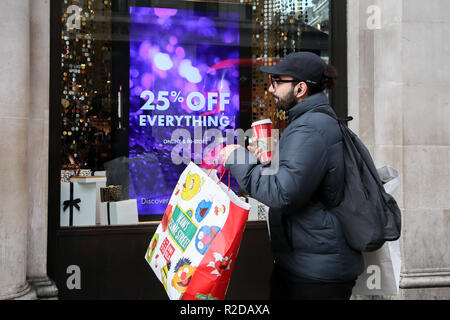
[[301, 166]]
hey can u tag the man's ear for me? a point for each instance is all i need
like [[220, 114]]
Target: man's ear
[[301, 89]]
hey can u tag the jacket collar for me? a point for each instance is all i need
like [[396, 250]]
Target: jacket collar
[[314, 101]]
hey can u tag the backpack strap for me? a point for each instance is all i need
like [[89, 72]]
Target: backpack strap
[[342, 120], [360, 147]]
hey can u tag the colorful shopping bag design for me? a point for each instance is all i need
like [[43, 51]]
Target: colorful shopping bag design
[[196, 244]]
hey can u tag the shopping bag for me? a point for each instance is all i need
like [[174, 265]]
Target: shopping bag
[[194, 248], [381, 275], [382, 272]]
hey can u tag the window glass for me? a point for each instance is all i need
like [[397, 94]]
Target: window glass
[[143, 81]]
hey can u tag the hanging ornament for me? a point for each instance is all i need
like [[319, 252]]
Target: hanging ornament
[[82, 74]]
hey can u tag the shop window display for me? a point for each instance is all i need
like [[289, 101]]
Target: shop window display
[[133, 72]]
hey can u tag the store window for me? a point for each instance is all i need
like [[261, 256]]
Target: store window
[[141, 80]]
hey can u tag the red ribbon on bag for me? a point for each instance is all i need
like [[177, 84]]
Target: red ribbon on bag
[[221, 176]]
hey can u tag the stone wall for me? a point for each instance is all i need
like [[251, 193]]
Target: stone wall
[[399, 94], [14, 117], [24, 104]]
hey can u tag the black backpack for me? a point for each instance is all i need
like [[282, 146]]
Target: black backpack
[[368, 215]]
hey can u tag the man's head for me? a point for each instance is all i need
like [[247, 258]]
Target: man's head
[[298, 76]]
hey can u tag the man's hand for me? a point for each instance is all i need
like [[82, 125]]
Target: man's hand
[[257, 151], [253, 148], [225, 153]]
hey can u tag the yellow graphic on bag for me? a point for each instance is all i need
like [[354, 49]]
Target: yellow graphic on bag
[[164, 272], [192, 186], [183, 275]]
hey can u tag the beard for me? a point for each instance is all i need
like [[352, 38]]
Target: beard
[[286, 102]]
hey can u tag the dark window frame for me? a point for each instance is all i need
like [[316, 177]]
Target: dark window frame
[[338, 55]]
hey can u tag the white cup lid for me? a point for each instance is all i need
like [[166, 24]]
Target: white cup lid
[[260, 122]]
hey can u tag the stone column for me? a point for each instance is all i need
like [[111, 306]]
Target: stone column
[[14, 117], [426, 138], [399, 84], [38, 149]]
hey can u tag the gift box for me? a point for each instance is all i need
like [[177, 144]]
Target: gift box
[[111, 193], [66, 174], [123, 212], [258, 210], [253, 214], [78, 201], [263, 212], [100, 216]]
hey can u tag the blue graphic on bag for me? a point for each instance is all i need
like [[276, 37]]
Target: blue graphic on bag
[[205, 237], [202, 210]]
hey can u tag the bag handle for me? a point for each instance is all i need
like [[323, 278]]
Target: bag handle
[[229, 177], [221, 177]]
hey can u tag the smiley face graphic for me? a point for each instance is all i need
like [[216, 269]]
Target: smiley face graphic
[[183, 275], [191, 186]]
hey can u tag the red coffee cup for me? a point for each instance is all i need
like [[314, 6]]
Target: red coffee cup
[[262, 133]]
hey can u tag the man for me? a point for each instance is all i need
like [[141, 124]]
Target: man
[[311, 257]]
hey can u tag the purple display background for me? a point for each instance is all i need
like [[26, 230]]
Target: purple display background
[[163, 42]]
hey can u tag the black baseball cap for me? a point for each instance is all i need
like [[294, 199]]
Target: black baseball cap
[[304, 66]]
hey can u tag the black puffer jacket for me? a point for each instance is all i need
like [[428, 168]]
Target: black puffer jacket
[[307, 239]]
